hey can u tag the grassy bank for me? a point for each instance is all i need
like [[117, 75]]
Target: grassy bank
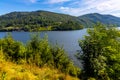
[[12, 71]]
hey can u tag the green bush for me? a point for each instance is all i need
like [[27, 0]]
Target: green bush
[[100, 53], [13, 49], [41, 53]]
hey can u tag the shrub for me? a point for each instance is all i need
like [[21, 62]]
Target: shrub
[[12, 49], [100, 53]]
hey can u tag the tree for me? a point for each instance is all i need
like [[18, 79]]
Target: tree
[[41, 53], [12, 49], [100, 53]]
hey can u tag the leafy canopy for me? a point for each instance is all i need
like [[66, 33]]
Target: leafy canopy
[[101, 53]]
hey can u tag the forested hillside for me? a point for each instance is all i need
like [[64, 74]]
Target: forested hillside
[[89, 20], [38, 20], [45, 20]]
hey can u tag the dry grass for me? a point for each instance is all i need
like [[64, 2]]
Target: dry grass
[[12, 71]]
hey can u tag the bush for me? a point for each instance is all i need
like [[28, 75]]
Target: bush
[[42, 54], [100, 53], [13, 49]]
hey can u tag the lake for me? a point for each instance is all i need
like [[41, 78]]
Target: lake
[[66, 39]]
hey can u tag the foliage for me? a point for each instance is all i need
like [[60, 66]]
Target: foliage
[[45, 20], [62, 62], [38, 52], [12, 71], [100, 53], [12, 49], [41, 53], [36, 21], [69, 25]]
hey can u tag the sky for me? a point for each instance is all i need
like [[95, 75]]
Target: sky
[[71, 7]]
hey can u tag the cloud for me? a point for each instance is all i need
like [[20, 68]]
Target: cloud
[[29, 1], [71, 11], [65, 8], [57, 1], [93, 6], [75, 11], [109, 5], [33, 1], [106, 6]]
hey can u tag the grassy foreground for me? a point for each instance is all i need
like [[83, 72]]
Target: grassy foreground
[[12, 71]]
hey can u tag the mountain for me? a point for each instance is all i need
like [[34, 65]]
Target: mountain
[[89, 20], [45, 20], [38, 20]]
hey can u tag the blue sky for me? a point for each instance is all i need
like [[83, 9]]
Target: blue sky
[[71, 7]]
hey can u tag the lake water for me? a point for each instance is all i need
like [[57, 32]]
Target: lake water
[[67, 39]]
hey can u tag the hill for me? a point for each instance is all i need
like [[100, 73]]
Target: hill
[[89, 20], [38, 20], [45, 20]]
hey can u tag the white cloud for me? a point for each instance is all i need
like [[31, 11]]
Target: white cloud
[[109, 5], [65, 8], [75, 11], [92, 6], [33, 1], [57, 1], [71, 11], [29, 1]]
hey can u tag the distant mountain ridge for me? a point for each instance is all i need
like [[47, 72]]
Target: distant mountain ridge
[[89, 20], [45, 20]]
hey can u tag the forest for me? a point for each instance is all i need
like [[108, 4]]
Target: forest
[[38, 60], [38, 21]]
